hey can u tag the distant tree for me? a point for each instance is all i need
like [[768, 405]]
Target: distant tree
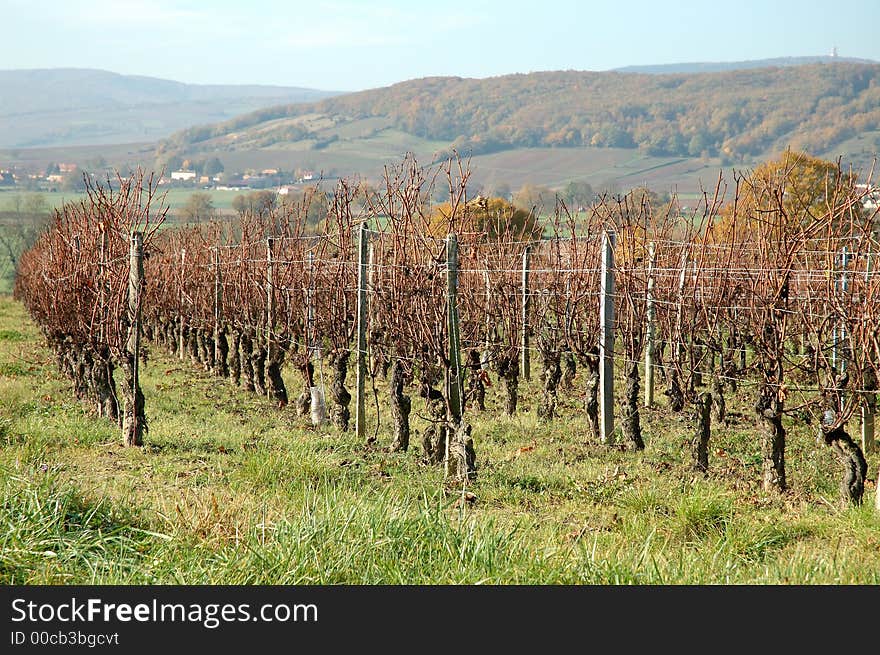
[[169, 163], [498, 190], [494, 216], [534, 198], [97, 163], [578, 194], [808, 183], [700, 144], [198, 207], [239, 204], [255, 202], [73, 181], [53, 169], [212, 167]]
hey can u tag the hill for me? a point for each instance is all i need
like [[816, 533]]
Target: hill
[[735, 115], [69, 106]]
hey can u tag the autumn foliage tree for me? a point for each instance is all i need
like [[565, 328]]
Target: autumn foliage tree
[[494, 218]]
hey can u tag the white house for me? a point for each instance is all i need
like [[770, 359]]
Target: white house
[[183, 175]]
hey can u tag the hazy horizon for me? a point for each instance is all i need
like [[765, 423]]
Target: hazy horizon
[[342, 91], [346, 46]]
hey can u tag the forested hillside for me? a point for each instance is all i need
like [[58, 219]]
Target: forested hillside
[[735, 115]]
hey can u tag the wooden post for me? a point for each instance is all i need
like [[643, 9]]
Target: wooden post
[[488, 307], [454, 391], [844, 287], [311, 341], [218, 308], [102, 284], [371, 293], [180, 303], [649, 331], [568, 307], [133, 420], [524, 341], [454, 381], [270, 292], [371, 276], [360, 413], [679, 339], [869, 403], [606, 339], [135, 283]]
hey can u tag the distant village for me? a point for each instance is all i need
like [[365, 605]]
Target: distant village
[[65, 176], [69, 177], [265, 179]]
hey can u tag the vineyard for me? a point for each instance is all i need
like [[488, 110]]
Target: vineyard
[[779, 304], [395, 318]]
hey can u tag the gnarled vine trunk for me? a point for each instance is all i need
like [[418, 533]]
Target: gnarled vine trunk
[[274, 363], [245, 348], [591, 399], [769, 409], [104, 387], [434, 438], [702, 425], [507, 368], [206, 348], [192, 345], [719, 405], [234, 357], [675, 392], [221, 368], [852, 460], [340, 398], [134, 420], [171, 336], [476, 391], [632, 427], [401, 405], [461, 459], [258, 364], [551, 374]]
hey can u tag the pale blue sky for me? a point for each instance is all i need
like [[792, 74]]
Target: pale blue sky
[[346, 45]]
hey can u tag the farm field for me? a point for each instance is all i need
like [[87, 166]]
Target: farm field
[[366, 155], [230, 489], [174, 199]]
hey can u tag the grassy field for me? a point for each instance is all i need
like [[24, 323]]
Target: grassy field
[[229, 489], [174, 198]]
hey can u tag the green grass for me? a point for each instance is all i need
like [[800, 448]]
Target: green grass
[[231, 490], [174, 198]]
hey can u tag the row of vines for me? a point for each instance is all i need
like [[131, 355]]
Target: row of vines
[[771, 298]]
